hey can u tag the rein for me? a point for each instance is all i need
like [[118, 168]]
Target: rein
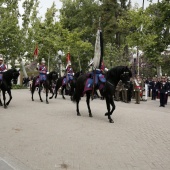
[[110, 83]]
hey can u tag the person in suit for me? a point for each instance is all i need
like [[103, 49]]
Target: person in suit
[[118, 90], [138, 89], [163, 89], [153, 86], [168, 89]]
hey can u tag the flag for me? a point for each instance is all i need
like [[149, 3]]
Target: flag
[[98, 52], [68, 58], [36, 51], [102, 66], [32, 65]]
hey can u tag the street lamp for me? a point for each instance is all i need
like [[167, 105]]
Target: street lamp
[[134, 63], [60, 53]]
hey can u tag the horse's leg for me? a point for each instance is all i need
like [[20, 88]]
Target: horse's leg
[[1, 103], [32, 91], [77, 104], [4, 98], [39, 91], [51, 91], [108, 109], [56, 89], [46, 90], [113, 105], [88, 103], [62, 90], [0, 99], [10, 96]]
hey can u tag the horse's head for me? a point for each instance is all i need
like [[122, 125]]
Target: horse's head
[[125, 76], [54, 75], [15, 75]]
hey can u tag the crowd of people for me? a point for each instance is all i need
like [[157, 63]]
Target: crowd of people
[[156, 88]]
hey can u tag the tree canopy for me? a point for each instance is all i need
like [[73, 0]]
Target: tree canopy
[[123, 29]]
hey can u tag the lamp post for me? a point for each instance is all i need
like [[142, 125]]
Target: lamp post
[[134, 63], [111, 63]]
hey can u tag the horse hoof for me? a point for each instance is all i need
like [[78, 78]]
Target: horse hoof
[[47, 102], [41, 100], [78, 114], [90, 115], [111, 121], [5, 107], [50, 97], [106, 114]]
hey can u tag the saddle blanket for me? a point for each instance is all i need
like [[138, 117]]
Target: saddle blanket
[[1, 75], [37, 82], [67, 80], [43, 77], [89, 85]]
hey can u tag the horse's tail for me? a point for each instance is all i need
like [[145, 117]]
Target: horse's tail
[[79, 88], [76, 97]]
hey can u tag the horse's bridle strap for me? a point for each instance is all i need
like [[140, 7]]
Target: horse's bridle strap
[[110, 83]]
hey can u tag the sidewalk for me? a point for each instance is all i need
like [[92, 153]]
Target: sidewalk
[[40, 136]]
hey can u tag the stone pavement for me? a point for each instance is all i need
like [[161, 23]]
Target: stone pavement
[[40, 136]]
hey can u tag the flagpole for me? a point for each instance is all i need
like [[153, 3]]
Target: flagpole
[[49, 62], [79, 62], [99, 22]]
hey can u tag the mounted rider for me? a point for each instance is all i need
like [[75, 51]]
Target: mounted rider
[[96, 74], [42, 70], [2, 68], [69, 71]]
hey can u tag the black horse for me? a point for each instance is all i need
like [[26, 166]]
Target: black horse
[[47, 84], [64, 86], [112, 78], [5, 84]]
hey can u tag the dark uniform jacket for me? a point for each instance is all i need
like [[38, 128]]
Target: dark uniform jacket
[[163, 87]]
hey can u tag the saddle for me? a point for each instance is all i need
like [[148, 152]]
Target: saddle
[[94, 80], [67, 79]]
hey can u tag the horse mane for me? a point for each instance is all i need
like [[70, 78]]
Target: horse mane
[[77, 74], [8, 74], [49, 76], [115, 73]]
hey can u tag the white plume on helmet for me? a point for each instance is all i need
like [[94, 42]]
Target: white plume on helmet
[[1, 57], [42, 61]]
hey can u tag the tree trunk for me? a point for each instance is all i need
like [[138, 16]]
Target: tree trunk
[[159, 71]]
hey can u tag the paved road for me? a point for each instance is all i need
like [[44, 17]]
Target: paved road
[[37, 136]]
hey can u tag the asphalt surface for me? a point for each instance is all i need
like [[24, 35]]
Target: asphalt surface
[[40, 136]]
